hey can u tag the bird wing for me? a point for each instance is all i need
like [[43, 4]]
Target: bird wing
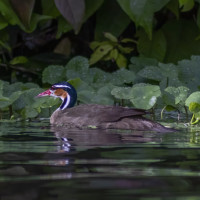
[[102, 113]]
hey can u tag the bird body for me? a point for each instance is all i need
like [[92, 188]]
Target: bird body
[[98, 116]]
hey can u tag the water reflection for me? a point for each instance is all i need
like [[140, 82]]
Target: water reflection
[[42, 162]]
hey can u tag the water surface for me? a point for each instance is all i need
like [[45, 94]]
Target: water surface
[[39, 162]]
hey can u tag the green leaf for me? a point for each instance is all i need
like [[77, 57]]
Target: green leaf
[[53, 74], [141, 95], [77, 67], [103, 95], [94, 45], [114, 54], [186, 5], [23, 9], [189, 72], [173, 6], [198, 17], [194, 107], [145, 96], [154, 48], [110, 37], [8, 13], [72, 11], [193, 98], [141, 12], [176, 32], [127, 40], [121, 61], [7, 101], [49, 8], [63, 27], [113, 20], [122, 76], [179, 94], [137, 63], [19, 60], [166, 74], [100, 52], [125, 50], [3, 23], [121, 92], [35, 19], [90, 7]]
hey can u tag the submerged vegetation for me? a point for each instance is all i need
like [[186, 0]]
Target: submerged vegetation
[[143, 54]]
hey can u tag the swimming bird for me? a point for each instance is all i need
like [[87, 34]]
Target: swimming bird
[[94, 115]]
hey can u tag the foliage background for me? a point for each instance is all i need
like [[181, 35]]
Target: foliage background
[[133, 52]]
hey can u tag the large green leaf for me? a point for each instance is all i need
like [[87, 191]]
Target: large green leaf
[[137, 63], [145, 96], [90, 7], [103, 95], [142, 11], [49, 8], [122, 76], [181, 40], [193, 98], [110, 20], [166, 74], [11, 17], [179, 95], [141, 95], [73, 11], [78, 67], [189, 71], [63, 27], [186, 5], [154, 48], [23, 9], [53, 74], [9, 14]]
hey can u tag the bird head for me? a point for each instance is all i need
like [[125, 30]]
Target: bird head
[[64, 91]]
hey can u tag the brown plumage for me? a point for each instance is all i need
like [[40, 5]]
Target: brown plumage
[[105, 117]]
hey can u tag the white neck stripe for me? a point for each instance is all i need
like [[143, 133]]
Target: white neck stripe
[[67, 103]]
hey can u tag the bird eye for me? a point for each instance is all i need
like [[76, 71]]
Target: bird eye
[[53, 88]]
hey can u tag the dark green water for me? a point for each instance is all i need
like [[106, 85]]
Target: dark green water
[[37, 162]]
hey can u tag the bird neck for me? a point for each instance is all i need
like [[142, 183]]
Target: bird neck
[[68, 102]]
